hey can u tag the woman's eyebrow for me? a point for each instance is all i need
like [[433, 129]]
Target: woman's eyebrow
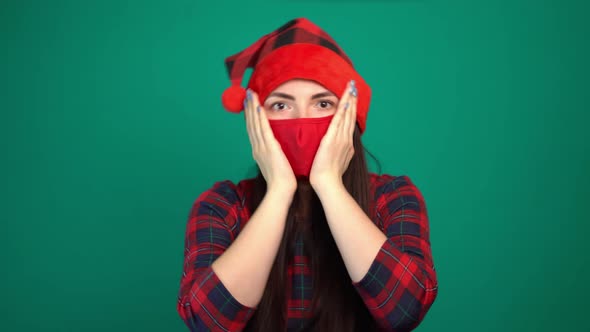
[[323, 94], [287, 96]]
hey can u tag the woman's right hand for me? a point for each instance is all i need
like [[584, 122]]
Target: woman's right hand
[[266, 150]]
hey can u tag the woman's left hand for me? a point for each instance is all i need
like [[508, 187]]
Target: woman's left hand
[[336, 149]]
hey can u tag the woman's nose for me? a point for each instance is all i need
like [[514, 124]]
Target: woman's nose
[[304, 111]]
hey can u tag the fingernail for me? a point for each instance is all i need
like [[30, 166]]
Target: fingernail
[[346, 106], [248, 94], [245, 103], [258, 108], [353, 90]]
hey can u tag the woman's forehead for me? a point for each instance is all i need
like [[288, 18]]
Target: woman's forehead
[[300, 86]]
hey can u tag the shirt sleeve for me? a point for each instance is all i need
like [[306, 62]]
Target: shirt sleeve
[[401, 284], [204, 304]]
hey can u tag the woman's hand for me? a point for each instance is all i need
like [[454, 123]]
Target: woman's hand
[[336, 149], [266, 150]]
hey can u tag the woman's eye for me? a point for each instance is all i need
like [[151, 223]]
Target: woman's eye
[[325, 104], [281, 106], [278, 106]]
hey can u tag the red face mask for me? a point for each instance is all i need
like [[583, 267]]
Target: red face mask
[[300, 139]]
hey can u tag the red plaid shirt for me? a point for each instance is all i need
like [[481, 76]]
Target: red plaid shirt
[[398, 289]]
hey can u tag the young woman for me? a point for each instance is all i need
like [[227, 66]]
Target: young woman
[[315, 242]]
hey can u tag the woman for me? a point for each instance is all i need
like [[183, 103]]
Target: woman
[[315, 242]]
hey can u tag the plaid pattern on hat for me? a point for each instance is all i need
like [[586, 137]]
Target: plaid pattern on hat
[[297, 49], [299, 30]]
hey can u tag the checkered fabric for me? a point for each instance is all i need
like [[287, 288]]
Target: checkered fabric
[[399, 288], [298, 49]]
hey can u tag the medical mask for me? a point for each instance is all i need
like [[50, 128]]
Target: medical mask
[[300, 139]]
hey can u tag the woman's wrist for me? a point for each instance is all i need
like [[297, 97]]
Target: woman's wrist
[[284, 192]]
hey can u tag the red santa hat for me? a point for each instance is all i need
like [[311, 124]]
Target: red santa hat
[[297, 49]]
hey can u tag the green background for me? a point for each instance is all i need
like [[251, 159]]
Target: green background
[[111, 126]]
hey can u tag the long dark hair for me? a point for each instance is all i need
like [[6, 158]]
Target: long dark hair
[[336, 305]]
